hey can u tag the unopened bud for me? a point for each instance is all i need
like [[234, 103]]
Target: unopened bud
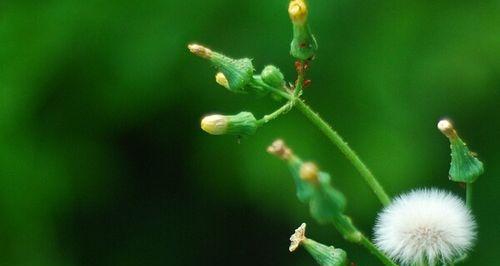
[[309, 172], [237, 72], [200, 50], [272, 76], [464, 166], [297, 9], [304, 44], [243, 123], [221, 80], [446, 127], [215, 124]]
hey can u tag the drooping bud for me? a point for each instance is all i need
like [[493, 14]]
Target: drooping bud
[[200, 50], [273, 77], [237, 72], [326, 204], [241, 124], [304, 44], [464, 166], [322, 254]]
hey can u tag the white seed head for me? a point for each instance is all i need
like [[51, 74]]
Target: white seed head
[[215, 124], [424, 227], [298, 236]]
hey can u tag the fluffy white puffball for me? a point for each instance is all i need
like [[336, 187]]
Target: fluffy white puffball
[[424, 227]]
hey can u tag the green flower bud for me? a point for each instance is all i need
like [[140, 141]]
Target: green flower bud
[[322, 254], [304, 45], [464, 167], [241, 124], [272, 76], [327, 203], [305, 185], [237, 72]]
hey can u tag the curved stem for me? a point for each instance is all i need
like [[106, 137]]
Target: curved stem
[[375, 251], [336, 139], [282, 110]]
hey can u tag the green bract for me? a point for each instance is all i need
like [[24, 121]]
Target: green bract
[[273, 77], [240, 124], [304, 45], [238, 72], [327, 203], [325, 255], [464, 167], [305, 190]]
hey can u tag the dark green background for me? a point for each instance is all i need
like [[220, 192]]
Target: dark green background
[[102, 161]]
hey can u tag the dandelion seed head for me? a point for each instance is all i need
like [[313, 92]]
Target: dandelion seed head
[[425, 226]]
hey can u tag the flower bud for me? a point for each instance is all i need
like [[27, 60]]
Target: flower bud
[[297, 10], [303, 44], [222, 80], [327, 204], [272, 76], [464, 167], [237, 72], [309, 172], [322, 254], [241, 124]]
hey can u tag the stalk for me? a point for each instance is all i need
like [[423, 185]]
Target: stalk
[[337, 140]]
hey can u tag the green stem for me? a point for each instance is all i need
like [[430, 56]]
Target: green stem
[[468, 195], [375, 251], [336, 139], [283, 109]]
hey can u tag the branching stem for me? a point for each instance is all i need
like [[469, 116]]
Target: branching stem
[[337, 140]]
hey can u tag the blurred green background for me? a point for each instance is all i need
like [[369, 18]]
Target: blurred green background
[[102, 161]]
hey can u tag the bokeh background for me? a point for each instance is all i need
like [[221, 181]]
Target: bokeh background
[[102, 161]]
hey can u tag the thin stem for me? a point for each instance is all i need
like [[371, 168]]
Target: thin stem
[[336, 139], [375, 251], [468, 195], [282, 110]]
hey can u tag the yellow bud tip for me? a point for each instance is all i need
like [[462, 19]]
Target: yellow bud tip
[[214, 124], [297, 9], [222, 80], [200, 50], [446, 127], [309, 172], [298, 236], [279, 149]]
